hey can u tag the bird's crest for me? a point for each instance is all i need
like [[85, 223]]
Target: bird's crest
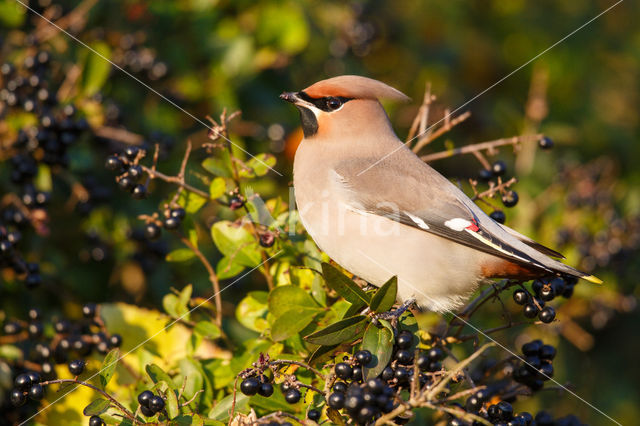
[[354, 86]]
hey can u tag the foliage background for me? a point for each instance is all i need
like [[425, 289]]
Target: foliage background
[[242, 54]]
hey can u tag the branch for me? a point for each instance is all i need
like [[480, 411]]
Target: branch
[[448, 125], [114, 401], [212, 277], [488, 146]]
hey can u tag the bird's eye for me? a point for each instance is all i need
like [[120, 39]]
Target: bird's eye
[[333, 103]]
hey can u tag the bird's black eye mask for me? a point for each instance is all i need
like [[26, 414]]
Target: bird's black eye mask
[[327, 103], [308, 118]]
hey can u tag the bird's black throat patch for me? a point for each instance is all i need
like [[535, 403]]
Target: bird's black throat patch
[[309, 121]]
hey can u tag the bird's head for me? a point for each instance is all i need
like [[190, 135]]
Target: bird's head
[[342, 105]]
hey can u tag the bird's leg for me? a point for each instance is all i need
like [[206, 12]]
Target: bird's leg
[[396, 313]]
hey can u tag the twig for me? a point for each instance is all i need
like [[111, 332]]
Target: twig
[[117, 134], [299, 364], [193, 398], [494, 189], [76, 17], [212, 277], [448, 125], [481, 146], [154, 174], [114, 401], [277, 415]]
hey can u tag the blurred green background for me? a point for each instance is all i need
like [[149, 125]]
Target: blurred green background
[[207, 55]]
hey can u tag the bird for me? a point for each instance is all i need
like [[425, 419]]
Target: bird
[[379, 211]]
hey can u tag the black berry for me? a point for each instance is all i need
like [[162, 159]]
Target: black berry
[[113, 163], [171, 223], [363, 357], [17, 397], [95, 421], [250, 386], [23, 382], [156, 403], [36, 392], [265, 389], [131, 152], [547, 352], [498, 216], [336, 400], [547, 314], [115, 341], [545, 143], [404, 339], [499, 168], [292, 396], [76, 367], [314, 415], [520, 297], [343, 370], [152, 231], [530, 310], [178, 213], [144, 397], [510, 198], [139, 191], [89, 310]]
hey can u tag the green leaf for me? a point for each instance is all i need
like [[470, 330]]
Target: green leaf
[[207, 329], [322, 354], [222, 409], [343, 285], [217, 188], [180, 255], [335, 417], [237, 242], [97, 407], [274, 403], [292, 321], [171, 403], [227, 268], [259, 165], [191, 201], [157, 374], [385, 296], [109, 366], [96, 69], [252, 311], [283, 298], [354, 310], [190, 369], [338, 332], [216, 166], [178, 306], [378, 341]]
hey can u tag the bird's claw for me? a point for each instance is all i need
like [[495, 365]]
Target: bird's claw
[[394, 314]]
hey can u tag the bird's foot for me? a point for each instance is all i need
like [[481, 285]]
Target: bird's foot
[[393, 315]]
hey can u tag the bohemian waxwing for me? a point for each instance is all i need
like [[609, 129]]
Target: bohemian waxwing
[[376, 209]]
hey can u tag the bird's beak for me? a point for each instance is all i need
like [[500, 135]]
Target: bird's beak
[[290, 97]]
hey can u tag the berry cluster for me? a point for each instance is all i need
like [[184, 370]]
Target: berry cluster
[[133, 56], [26, 89], [509, 197], [26, 385], [172, 221], [77, 339], [365, 401], [537, 366], [128, 171], [262, 386], [150, 404], [544, 291]]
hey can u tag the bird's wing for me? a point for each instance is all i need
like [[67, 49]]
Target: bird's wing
[[422, 198], [533, 244]]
